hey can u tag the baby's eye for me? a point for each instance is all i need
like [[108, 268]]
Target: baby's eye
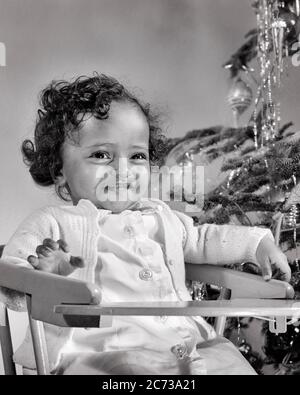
[[100, 155], [139, 156]]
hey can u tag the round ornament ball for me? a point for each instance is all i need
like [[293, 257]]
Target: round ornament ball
[[240, 96], [288, 21]]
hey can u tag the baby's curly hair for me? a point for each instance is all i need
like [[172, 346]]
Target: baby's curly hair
[[64, 106]]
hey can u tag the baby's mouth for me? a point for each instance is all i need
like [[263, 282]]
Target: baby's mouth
[[121, 186]]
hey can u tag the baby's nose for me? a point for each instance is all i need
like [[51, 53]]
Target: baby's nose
[[122, 168]]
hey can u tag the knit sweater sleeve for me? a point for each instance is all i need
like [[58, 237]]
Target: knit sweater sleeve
[[31, 232], [220, 244]]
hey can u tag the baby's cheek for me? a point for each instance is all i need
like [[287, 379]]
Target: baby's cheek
[[103, 174], [105, 179], [141, 175]]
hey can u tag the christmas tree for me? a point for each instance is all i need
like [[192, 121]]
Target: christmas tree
[[259, 161]]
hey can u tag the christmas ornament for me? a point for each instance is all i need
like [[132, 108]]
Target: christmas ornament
[[273, 26], [198, 290], [293, 197], [239, 98], [187, 159], [291, 217], [287, 20], [284, 29]]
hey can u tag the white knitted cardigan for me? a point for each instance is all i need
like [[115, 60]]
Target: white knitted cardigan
[[78, 226]]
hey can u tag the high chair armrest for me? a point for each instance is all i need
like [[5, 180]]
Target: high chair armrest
[[205, 308], [47, 290], [242, 285]]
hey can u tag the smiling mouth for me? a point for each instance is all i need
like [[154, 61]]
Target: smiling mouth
[[123, 184], [119, 186]]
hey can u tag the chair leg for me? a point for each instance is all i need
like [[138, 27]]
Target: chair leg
[[220, 322], [220, 325], [6, 343], [39, 342]]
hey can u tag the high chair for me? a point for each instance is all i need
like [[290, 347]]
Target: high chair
[[68, 302]]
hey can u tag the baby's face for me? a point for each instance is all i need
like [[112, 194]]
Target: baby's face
[[109, 165]]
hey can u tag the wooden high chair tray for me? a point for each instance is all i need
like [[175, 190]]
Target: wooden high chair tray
[[229, 308]]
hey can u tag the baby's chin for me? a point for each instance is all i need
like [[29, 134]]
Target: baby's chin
[[117, 206]]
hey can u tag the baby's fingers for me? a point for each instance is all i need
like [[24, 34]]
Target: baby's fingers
[[77, 261], [51, 244], [43, 251], [282, 267], [69, 266], [63, 245], [33, 260], [266, 269]]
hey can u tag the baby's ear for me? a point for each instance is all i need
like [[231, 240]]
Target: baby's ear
[[60, 179]]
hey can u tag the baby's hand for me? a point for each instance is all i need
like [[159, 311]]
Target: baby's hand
[[54, 257], [271, 258]]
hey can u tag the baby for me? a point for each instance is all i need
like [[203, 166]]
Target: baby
[[95, 141]]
